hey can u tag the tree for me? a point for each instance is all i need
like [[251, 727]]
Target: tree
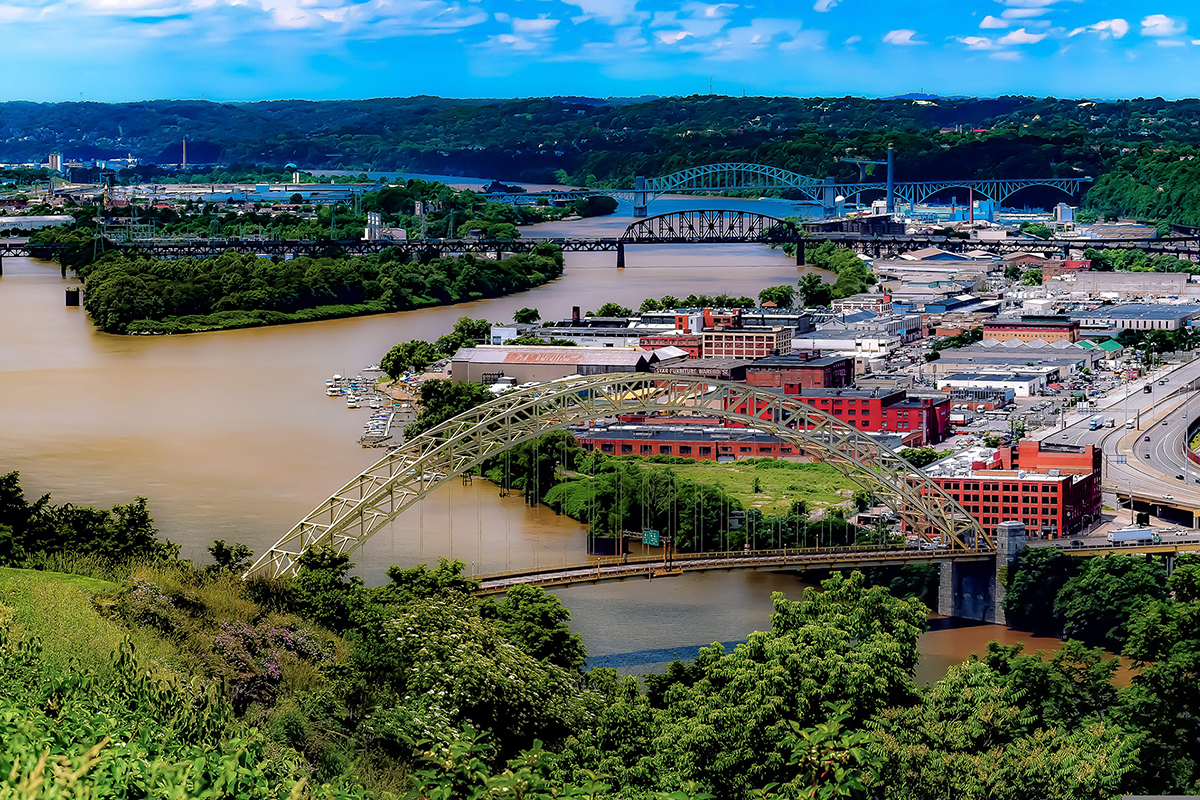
[[296, 199], [412, 356], [781, 296], [921, 456], [1033, 587], [1032, 277], [814, 292], [538, 623], [613, 310], [1097, 605], [526, 316], [441, 399], [1038, 230], [235, 557], [649, 304], [1012, 272]]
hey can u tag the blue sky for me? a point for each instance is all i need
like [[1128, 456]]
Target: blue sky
[[267, 49]]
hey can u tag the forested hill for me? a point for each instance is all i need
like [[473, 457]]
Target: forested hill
[[584, 140]]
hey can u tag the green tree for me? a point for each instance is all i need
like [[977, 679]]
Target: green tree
[[441, 399], [781, 296], [1034, 585], [814, 292], [538, 623], [1032, 277], [234, 557], [526, 316], [412, 356], [1012, 272], [1038, 230], [613, 310], [1097, 605], [921, 456]]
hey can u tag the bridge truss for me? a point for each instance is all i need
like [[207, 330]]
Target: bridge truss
[[715, 226], [405, 475], [742, 176]]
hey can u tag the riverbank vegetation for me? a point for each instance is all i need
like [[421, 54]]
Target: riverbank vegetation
[[127, 294], [166, 678]]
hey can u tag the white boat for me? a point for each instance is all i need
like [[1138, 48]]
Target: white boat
[[351, 402], [374, 403], [333, 391]]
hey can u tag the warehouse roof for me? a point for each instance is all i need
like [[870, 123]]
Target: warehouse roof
[[598, 356]]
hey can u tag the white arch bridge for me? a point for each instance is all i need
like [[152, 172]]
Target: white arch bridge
[[408, 473], [741, 176]]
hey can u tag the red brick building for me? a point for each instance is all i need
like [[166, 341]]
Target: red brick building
[[1031, 327], [716, 443], [884, 412], [693, 343], [1058, 268], [1050, 500], [794, 373]]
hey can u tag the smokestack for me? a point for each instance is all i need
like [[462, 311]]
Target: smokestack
[[185, 153], [574, 315]]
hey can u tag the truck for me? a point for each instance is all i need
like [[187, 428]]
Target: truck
[[1095, 423], [1129, 424], [1110, 422], [1132, 536]]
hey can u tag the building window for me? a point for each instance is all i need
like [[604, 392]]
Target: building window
[[626, 448], [685, 450], [647, 448], [664, 449], [743, 449], [606, 448], [705, 451]]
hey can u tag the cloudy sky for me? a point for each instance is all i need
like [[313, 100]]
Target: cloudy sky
[[263, 49]]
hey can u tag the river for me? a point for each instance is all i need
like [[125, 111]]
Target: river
[[231, 437]]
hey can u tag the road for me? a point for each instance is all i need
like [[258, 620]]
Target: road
[[1147, 469]]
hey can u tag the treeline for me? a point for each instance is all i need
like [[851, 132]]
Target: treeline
[[128, 294]]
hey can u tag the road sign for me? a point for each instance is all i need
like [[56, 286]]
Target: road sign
[[1122, 459], [651, 538]]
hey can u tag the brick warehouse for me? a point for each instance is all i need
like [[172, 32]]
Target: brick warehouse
[[881, 411]]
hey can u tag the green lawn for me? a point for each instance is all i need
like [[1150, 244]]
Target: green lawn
[[58, 609], [819, 485]]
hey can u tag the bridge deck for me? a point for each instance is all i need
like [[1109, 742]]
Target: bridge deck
[[614, 568]]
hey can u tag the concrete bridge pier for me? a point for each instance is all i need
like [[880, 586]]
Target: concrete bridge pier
[[974, 589], [620, 255], [800, 253], [639, 198]]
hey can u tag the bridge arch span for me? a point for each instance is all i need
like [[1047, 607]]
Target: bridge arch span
[[732, 176], [718, 226], [410, 472]]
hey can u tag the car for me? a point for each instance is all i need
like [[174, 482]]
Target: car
[[1066, 436], [1164, 422], [1168, 497], [1178, 477], [1147, 438], [1147, 455]]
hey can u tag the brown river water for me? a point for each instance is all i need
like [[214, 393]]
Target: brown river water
[[231, 437]]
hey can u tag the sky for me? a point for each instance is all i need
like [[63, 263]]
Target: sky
[[233, 50]]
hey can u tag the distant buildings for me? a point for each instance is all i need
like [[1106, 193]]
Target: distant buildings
[[1031, 327]]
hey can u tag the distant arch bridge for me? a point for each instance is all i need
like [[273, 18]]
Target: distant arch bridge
[[371, 500], [742, 176]]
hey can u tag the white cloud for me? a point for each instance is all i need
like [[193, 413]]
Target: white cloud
[[978, 42], [1170, 43], [902, 36], [1161, 26], [993, 22], [855, 39], [1023, 13], [1006, 55], [824, 5], [614, 12], [1029, 3], [539, 25], [1107, 28], [1021, 36]]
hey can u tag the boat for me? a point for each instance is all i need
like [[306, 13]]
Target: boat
[[351, 401], [333, 391], [374, 402]]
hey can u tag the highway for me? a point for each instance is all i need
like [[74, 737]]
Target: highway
[[1127, 470]]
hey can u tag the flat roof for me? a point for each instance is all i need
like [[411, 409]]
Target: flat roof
[[665, 433], [986, 376], [532, 354], [1140, 311]]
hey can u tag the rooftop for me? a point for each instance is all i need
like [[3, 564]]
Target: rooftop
[[1140, 311], [512, 354]]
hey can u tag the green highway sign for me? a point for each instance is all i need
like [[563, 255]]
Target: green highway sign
[[651, 538]]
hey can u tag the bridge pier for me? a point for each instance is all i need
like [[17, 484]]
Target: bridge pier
[[620, 255], [975, 590], [1, 266], [800, 253], [640, 203]]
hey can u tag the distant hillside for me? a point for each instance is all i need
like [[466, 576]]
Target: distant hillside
[[610, 140]]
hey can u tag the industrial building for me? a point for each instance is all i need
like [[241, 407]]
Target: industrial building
[[489, 363], [793, 373], [1053, 490], [1138, 317], [706, 443], [926, 416], [1049, 328], [1024, 384]]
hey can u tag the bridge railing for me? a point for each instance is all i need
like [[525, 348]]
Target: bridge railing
[[726, 555]]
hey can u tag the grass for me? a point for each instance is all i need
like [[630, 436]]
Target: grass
[[58, 609], [781, 482]]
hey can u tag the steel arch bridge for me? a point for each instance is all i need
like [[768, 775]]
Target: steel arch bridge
[[410, 472], [714, 226], [743, 176]]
